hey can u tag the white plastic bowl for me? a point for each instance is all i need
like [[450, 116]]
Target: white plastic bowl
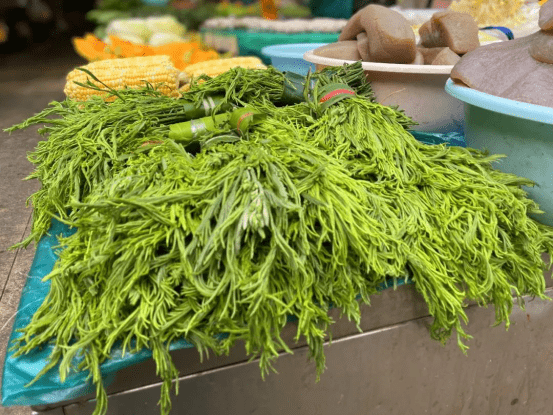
[[417, 89], [522, 131]]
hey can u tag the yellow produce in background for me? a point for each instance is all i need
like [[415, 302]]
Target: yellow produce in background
[[125, 73], [157, 70], [219, 66], [492, 12]]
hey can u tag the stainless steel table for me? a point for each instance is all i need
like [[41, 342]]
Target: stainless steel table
[[393, 367]]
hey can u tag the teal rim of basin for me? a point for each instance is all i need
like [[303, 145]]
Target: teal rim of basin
[[292, 51], [505, 106]]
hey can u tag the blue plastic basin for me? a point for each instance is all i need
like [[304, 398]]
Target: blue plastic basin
[[523, 132], [290, 57]]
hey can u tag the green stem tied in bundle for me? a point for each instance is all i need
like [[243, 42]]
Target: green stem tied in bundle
[[240, 120]]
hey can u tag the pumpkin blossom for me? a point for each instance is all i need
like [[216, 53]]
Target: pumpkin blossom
[[182, 54]]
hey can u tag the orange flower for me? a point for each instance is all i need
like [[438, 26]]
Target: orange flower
[[182, 54], [92, 49], [128, 49]]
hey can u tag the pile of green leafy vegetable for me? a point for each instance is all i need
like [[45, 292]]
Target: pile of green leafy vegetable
[[314, 204], [88, 142]]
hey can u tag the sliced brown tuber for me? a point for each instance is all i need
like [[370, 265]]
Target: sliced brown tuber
[[352, 28], [363, 46], [429, 54], [546, 16], [346, 50], [431, 38], [390, 37], [446, 57], [541, 48], [458, 31]]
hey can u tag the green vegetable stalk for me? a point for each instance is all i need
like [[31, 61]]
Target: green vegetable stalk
[[246, 86]]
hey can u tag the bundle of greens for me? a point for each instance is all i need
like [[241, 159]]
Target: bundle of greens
[[88, 142], [319, 202], [465, 223], [246, 86], [175, 246]]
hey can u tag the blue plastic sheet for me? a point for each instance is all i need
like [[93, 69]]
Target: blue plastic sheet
[[251, 42], [336, 9], [18, 372], [453, 139]]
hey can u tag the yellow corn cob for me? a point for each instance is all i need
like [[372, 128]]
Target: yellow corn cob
[[216, 67], [128, 72]]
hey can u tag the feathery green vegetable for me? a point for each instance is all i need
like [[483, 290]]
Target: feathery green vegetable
[[307, 210], [308, 207], [90, 141]]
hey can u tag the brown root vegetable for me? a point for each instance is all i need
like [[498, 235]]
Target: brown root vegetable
[[363, 46], [346, 50], [352, 28], [431, 38], [390, 37], [419, 59], [446, 57], [507, 70], [458, 31], [429, 54], [546, 16], [541, 48]]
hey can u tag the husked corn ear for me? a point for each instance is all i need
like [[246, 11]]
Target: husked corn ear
[[158, 70], [218, 66]]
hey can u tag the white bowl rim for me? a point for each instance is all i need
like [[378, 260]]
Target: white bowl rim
[[382, 67], [387, 67], [500, 105]]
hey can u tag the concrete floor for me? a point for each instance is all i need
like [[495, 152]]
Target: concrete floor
[[28, 82]]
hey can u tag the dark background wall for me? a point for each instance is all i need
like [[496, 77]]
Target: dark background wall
[[31, 22]]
